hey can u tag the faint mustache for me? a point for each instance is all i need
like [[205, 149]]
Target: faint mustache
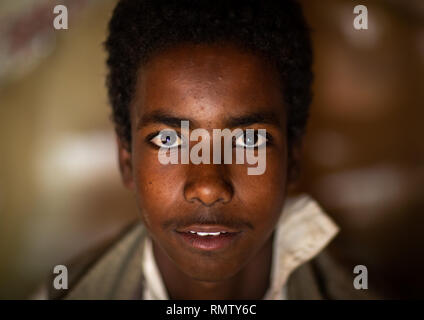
[[207, 218]]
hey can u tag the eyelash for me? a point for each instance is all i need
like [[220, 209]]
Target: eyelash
[[149, 137], [268, 137]]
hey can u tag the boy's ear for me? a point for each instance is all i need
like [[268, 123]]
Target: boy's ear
[[125, 164]]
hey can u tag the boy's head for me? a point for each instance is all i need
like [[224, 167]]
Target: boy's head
[[219, 64]]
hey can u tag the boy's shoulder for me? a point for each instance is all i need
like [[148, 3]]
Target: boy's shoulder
[[325, 278], [109, 270]]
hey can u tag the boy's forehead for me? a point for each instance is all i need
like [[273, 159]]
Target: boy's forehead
[[208, 82]]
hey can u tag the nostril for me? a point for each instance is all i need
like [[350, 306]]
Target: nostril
[[206, 203], [208, 192]]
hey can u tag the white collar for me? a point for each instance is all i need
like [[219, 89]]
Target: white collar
[[303, 231]]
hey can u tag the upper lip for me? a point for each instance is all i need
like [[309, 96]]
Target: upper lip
[[207, 228]]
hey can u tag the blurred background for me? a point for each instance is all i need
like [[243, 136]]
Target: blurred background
[[363, 157]]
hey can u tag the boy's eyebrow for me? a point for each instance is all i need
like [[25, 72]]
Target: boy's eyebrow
[[252, 118], [162, 118]]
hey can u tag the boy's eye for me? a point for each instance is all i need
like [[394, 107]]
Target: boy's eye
[[167, 139], [250, 140]]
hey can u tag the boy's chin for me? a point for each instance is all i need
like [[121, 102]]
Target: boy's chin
[[211, 273], [204, 277]]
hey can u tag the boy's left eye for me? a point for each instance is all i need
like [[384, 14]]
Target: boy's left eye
[[250, 140], [167, 139]]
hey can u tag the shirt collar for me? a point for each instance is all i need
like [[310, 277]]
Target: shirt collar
[[302, 232]]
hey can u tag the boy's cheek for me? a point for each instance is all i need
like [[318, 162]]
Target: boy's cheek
[[266, 188], [153, 177], [158, 189]]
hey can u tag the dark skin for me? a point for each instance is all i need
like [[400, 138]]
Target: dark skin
[[214, 87]]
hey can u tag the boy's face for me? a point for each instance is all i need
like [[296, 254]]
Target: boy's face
[[214, 87]]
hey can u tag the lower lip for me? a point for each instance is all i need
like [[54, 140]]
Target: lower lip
[[209, 242]]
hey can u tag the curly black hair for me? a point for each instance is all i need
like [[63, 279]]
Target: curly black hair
[[275, 29]]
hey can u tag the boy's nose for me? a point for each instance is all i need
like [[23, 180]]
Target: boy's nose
[[207, 185]]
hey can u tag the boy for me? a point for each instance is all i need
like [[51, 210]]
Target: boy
[[209, 229]]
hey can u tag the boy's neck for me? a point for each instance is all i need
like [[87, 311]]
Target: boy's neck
[[251, 282]]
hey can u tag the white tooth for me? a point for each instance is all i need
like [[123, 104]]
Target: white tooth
[[192, 231], [202, 234]]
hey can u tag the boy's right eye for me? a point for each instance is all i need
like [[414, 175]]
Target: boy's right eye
[[167, 139]]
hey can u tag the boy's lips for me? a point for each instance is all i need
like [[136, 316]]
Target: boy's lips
[[208, 228], [208, 237]]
